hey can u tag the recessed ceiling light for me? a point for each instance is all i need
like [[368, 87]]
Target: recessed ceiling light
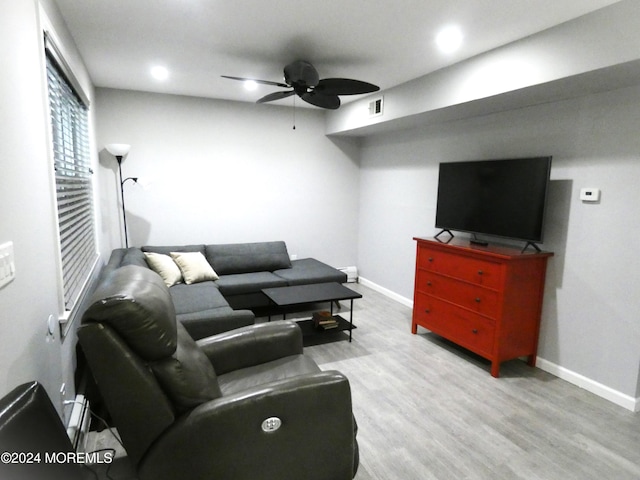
[[449, 39], [250, 85], [159, 73]]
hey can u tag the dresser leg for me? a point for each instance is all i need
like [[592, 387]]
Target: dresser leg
[[495, 369], [531, 360], [414, 328]]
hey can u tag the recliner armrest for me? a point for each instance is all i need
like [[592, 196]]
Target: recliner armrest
[[252, 345], [316, 425]]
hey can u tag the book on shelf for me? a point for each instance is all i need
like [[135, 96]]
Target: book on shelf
[[328, 326], [324, 319]]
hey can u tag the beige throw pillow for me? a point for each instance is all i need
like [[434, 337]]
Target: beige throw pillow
[[164, 266], [194, 267]]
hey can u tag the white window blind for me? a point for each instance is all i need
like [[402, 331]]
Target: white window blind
[[74, 190]]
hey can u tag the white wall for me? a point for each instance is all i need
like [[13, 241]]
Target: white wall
[[27, 217], [590, 319], [225, 171], [587, 54]]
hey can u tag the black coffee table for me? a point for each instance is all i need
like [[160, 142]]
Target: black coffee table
[[284, 297]]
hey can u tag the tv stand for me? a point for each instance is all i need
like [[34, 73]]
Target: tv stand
[[486, 300], [443, 231], [535, 247]]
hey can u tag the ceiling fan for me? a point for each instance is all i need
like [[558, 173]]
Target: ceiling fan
[[303, 80]]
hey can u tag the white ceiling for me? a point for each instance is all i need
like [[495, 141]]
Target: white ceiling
[[383, 42]]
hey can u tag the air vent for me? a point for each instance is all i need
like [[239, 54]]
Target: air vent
[[375, 107]]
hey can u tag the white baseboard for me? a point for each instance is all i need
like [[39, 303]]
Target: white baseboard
[[625, 401], [386, 292]]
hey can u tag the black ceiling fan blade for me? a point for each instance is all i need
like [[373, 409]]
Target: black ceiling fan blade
[[263, 82], [331, 102], [275, 96], [344, 86]]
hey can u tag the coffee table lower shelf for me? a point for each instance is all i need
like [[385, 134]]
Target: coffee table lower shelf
[[310, 332], [285, 297]]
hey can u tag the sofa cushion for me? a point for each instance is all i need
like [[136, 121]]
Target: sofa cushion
[[136, 303], [176, 248], [248, 282], [194, 267], [187, 376], [235, 258], [213, 321], [310, 270], [164, 266], [196, 297]]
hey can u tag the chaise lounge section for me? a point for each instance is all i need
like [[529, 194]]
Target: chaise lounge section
[[228, 299]]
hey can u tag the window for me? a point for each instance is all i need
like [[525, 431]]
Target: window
[[72, 165]]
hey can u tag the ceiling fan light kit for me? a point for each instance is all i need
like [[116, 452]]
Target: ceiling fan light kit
[[303, 80]]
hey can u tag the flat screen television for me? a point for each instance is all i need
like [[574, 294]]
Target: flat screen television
[[503, 198]]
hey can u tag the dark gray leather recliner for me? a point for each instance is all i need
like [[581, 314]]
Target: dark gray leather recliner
[[34, 438], [245, 404]]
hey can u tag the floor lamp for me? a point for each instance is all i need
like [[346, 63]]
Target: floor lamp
[[119, 150]]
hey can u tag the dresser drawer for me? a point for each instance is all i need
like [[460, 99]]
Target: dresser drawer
[[476, 298], [461, 326], [470, 269]]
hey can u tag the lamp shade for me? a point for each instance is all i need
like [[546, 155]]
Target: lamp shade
[[118, 149]]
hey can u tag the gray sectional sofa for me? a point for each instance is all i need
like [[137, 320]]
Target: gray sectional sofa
[[209, 307]]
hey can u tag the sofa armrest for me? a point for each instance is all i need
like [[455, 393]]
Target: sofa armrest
[[223, 438], [252, 345], [208, 323]]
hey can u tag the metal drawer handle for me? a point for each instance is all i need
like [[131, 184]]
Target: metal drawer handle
[[431, 259], [475, 330], [477, 299], [480, 272], [429, 284], [427, 311]]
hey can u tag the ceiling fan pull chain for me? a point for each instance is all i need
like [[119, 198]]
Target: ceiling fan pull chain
[[294, 112]]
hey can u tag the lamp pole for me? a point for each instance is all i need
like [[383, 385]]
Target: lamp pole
[[124, 211], [119, 150]]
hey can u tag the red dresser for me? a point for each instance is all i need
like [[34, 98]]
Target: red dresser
[[485, 299]]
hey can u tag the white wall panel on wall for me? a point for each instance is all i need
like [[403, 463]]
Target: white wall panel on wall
[[224, 172]]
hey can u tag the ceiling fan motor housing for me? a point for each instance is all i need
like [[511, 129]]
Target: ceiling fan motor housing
[[301, 74]]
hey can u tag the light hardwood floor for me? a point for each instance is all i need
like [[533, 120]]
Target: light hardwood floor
[[427, 409]]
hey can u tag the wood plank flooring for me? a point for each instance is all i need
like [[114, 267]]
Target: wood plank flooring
[[427, 409]]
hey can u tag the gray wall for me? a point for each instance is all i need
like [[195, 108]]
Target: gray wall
[[590, 320], [27, 217], [219, 171]]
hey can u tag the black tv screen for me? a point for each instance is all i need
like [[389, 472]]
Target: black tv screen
[[505, 198]]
